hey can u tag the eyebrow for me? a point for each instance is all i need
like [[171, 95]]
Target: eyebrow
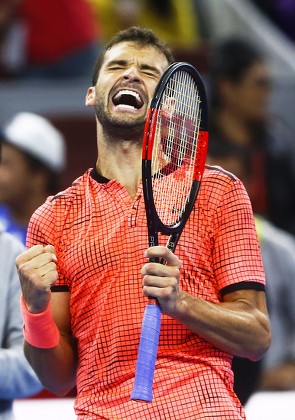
[[117, 62], [143, 66]]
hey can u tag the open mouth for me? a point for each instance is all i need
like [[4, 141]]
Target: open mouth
[[128, 98]]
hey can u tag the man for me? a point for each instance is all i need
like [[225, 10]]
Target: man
[[17, 379], [33, 156], [86, 267], [240, 88], [278, 256]]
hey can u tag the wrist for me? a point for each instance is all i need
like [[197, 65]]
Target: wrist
[[39, 329]]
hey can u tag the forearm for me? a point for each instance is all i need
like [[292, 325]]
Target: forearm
[[49, 344], [55, 367], [235, 327], [238, 325]]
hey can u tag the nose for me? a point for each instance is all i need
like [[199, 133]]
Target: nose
[[132, 74]]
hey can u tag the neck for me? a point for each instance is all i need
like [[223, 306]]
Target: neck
[[120, 161]]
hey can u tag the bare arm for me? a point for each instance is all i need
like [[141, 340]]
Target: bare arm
[[238, 325], [55, 367]]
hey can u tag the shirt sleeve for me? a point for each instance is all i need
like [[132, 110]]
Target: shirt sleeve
[[45, 229], [237, 258]]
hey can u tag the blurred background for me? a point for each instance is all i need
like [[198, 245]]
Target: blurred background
[[48, 48]]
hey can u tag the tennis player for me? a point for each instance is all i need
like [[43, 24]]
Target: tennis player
[[86, 274]]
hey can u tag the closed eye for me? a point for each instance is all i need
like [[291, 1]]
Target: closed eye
[[117, 65], [150, 71], [114, 68], [150, 74]]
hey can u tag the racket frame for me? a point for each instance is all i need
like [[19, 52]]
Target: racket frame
[[148, 345], [155, 224]]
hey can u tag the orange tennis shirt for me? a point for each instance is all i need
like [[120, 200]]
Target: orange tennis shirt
[[100, 234]]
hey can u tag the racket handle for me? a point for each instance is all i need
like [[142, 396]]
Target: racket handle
[[147, 354]]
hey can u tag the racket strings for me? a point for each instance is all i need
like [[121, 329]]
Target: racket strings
[[175, 146]]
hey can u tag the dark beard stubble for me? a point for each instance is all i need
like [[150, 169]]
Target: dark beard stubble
[[117, 130]]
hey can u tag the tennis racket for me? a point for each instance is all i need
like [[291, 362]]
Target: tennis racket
[[173, 160]]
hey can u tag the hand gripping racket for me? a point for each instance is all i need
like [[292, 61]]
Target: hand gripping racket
[[173, 160]]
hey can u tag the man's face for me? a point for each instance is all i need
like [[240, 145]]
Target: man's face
[[125, 85], [250, 96], [15, 176]]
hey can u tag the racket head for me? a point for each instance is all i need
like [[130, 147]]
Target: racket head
[[174, 148]]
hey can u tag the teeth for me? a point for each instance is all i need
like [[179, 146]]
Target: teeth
[[128, 92], [125, 106]]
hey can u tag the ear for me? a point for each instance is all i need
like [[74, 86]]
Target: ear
[[90, 96]]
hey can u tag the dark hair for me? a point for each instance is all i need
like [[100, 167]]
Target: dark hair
[[140, 36], [230, 60]]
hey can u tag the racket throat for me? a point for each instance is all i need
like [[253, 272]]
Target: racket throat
[[153, 240]]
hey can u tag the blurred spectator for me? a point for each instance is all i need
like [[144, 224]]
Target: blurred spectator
[[278, 253], [281, 13], [59, 39], [239, 85], [174, 21], [8, 10], [17, 379], [276, 371], [33, 157]]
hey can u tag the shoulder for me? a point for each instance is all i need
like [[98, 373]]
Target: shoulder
[[218, 174], [218, 184], [78, 187], [68, 206], [65, 199], [224, 202]]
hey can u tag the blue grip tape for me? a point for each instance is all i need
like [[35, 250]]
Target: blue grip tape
[[147, 354]]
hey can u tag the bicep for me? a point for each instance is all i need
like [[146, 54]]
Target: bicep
[[252, 299]]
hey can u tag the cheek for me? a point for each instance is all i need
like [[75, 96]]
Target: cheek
[[249, 102], [101, 96], [7, 174], [257, 104], [14, 174], [10, 185]]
